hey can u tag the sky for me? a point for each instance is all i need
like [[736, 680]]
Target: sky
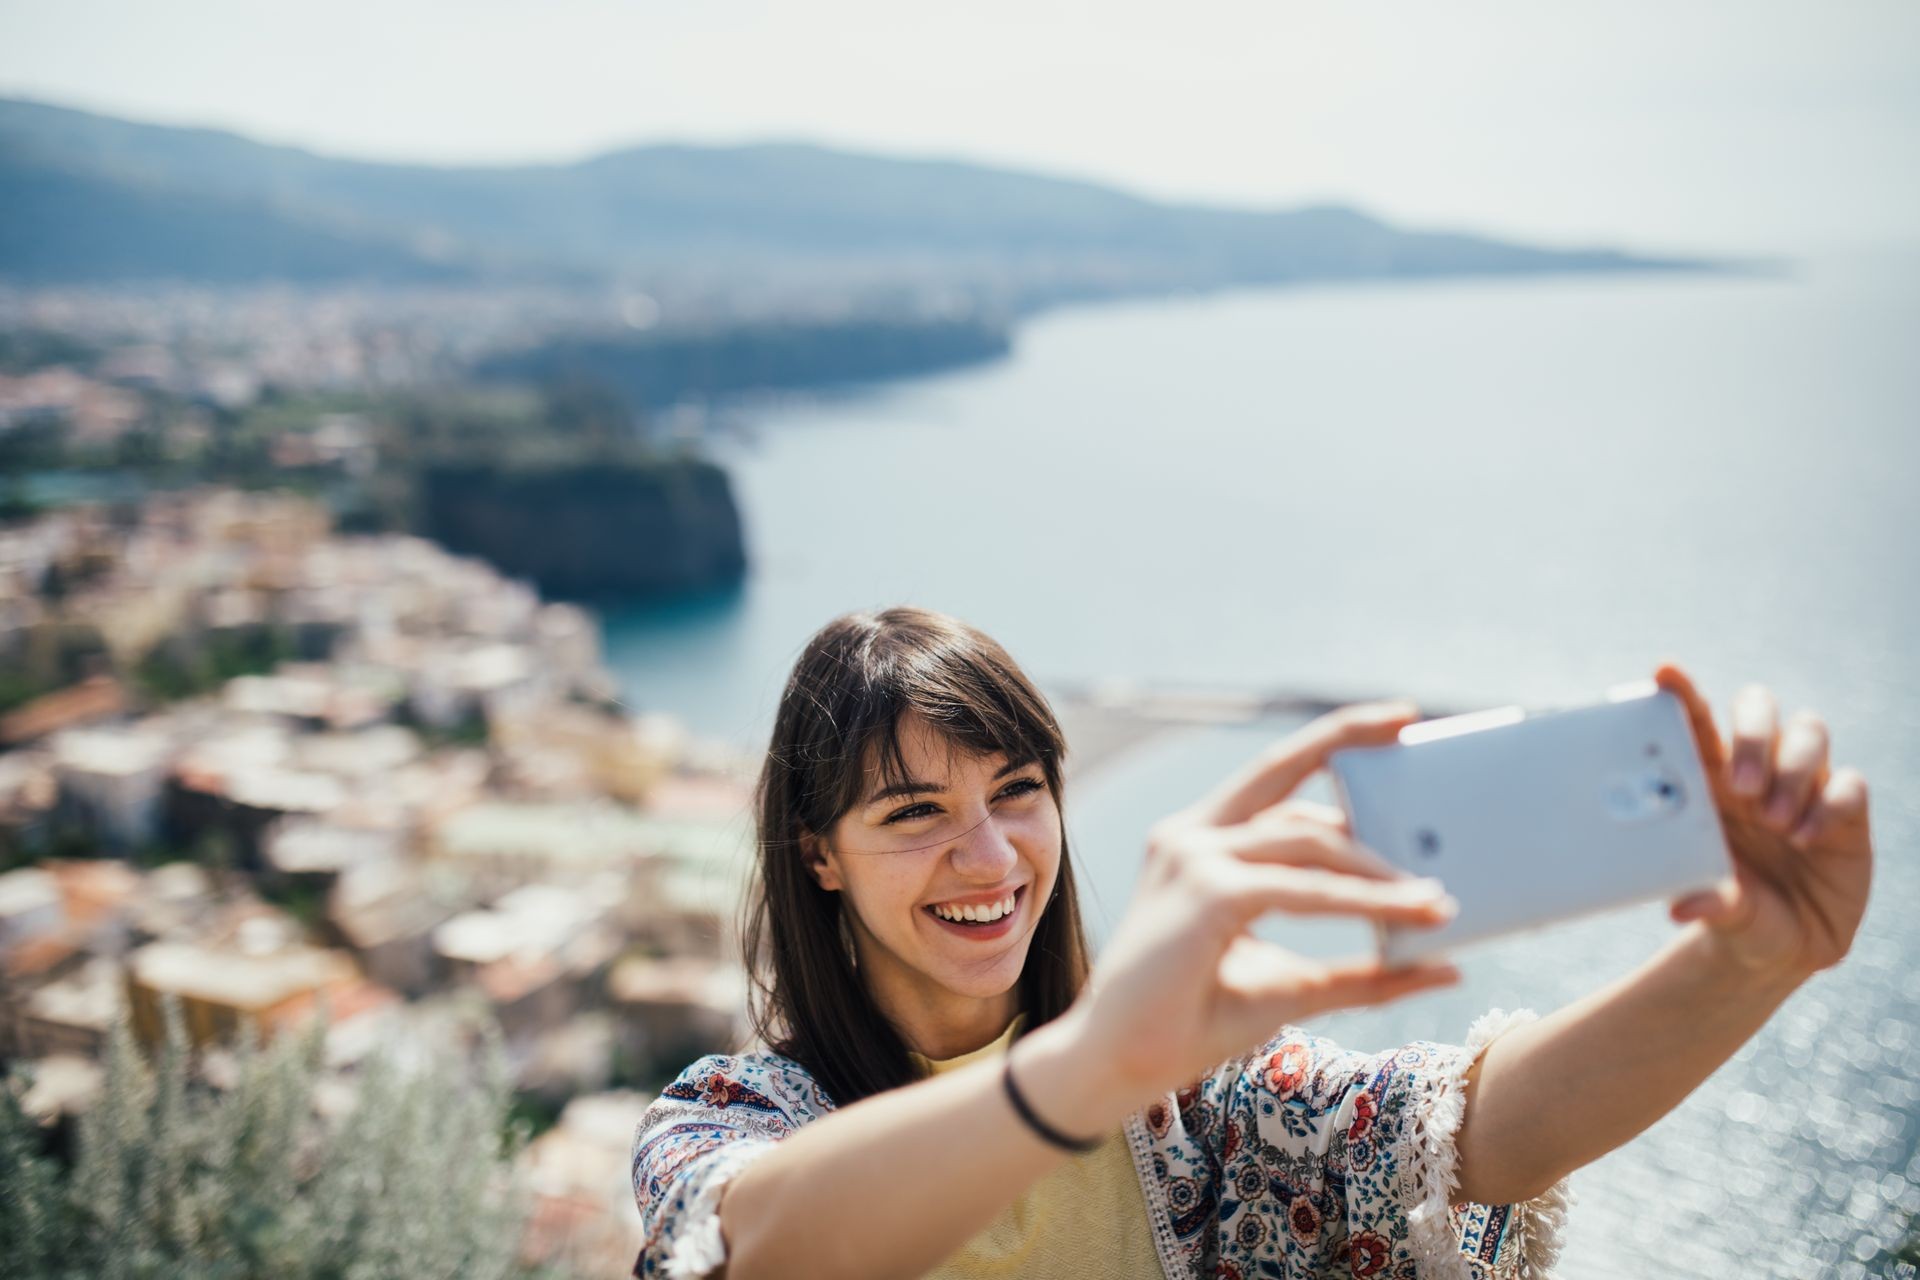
[[1755, 126]]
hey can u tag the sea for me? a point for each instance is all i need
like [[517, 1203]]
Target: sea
[[1472, 493]]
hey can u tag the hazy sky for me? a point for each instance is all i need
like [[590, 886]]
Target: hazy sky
[[1714, 124]]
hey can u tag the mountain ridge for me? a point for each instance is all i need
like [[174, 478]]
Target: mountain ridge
[[727, 212]]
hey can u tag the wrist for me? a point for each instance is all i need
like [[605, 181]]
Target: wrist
[[1724, 962], [1061, 1079]]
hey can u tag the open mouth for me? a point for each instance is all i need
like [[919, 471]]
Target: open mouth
[[1004, 912]]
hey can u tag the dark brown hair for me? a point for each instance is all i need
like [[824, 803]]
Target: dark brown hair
[[839, 719]]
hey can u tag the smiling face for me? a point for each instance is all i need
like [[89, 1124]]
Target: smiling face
[[943, 874]]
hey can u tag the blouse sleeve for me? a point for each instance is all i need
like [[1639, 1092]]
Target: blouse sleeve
[[1349, 1158], [714, 1120]]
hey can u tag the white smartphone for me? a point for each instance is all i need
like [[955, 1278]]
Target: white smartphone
[[1530, 818]]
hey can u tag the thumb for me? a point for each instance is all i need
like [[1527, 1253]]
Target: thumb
[[1282, 768]]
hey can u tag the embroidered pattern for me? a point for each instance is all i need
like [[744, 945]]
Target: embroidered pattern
[[1300, 1161]]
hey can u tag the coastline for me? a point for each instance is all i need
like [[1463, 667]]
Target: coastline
[[1104, 723]]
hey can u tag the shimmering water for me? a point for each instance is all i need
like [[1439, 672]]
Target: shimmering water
[[1473, 494]]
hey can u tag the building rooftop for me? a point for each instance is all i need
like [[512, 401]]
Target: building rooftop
[[233, 744], [286, 790], [368, 751], [179, 881], [93, 889], [511, 977], [299, 845], [578, 832], [114, 752], [235, 979], [535, 919], [95, 698], [685, 980], [27, 889], [39, 956], [304, 696], [91, 997]]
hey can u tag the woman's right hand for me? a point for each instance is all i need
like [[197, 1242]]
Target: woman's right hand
[[1183, 985]]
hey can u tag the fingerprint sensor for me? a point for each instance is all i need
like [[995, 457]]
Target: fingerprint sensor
[[1426, 842]]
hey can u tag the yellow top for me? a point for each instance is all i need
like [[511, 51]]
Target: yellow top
[[1086, 1218]]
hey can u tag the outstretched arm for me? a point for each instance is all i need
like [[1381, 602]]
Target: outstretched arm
[[1553, 1095], [890, 1185]]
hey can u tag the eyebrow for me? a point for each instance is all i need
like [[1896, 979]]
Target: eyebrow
[[914, 787]]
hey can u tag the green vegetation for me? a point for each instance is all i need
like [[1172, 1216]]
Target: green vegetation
[[24, 350], [176, 670], [18, 687], [172, 1179], [54, 656], [633, 529], [558, 483], [660, 369], [470, 731]]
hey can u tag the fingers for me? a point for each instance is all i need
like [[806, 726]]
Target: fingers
[[1250, 890], [1799, 770], [1274, 776], [1840, 808], [1779, 773], [1354, 985], [1706, 735], [1293, 842], [1327, 815], [1756, 731], [1351, 984]]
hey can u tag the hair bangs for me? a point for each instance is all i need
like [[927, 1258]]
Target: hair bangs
[[973, 705]]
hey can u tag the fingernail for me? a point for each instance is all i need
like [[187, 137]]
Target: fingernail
[[1448, 906], [1427, 885], [1746, 778]]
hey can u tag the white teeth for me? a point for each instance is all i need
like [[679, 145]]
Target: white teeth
[[979, 915]]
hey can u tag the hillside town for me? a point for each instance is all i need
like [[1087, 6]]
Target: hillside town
[[277, 772]]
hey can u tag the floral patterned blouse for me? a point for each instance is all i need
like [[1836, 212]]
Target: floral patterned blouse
[[1299, 1161]]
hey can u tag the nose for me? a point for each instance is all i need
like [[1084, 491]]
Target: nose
[[985, 853]]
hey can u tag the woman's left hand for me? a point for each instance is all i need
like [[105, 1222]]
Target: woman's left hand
[[1797, 830]]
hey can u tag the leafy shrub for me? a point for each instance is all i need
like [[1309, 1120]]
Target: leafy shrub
[[172, 1179]]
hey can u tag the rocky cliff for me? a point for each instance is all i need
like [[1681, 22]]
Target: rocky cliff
[[587, 529]]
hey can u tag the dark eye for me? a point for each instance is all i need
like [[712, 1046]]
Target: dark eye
[[909, 813], [1022, 787]]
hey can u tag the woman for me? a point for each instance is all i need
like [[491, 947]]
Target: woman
[[951, 1089]]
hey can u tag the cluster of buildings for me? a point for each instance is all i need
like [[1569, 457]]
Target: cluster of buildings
[[93, 411], [426, 807], [225, 344], [141, 372]]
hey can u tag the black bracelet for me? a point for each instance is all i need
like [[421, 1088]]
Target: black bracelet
[[1038, 1125]]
